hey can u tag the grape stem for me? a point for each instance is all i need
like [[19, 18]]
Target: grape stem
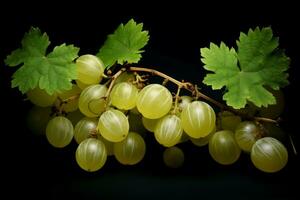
[[194, 90], [112, 82], [176, 100]]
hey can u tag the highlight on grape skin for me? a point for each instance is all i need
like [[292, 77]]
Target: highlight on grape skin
[[91, 154], [198, 119], [168, 131], [91, 102], [269, 155], [113, 125], [89, 69], [154, 101]]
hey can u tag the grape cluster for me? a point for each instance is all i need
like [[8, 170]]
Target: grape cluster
[[107, 121]]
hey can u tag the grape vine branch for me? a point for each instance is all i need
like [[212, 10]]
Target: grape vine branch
[[188, 86]]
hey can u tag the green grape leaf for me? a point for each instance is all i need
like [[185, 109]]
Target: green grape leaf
[[124, 45], [257, 65], [52, 72]]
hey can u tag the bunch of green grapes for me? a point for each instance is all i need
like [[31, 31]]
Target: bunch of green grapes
[[108, 117]]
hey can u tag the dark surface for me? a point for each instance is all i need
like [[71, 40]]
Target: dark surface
[[32, 168]]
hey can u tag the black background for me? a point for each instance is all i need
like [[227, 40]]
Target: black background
[[32, 168]]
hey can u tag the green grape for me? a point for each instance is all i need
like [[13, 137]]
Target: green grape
[[136, 124], [154, 101], [184, 101], [91, 154], [81, 85], [89, 69], [72, 104], [85, 128], [269, 155], [273, 130], [150, 124], [203, 140], [168, 130], [223, 148], [41, 98], [131, 150], [274, 111], [124, 95], [198, 119], [37, 119], [173, 157], [59, 131], [246, 135], [91, 102], [113, 125], [108, 145], [125, 77], [229, 121], [75, 116]]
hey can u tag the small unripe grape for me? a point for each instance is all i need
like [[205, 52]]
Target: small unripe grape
[[173, 157]]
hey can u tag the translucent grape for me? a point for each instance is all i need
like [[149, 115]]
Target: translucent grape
[[124, 96], [246, 135], [198, 119], [131, 150], [91, 102], [154, 101], [229, 121], [150, 124], [85, 128], [89, 69], [38, 118], [184, 101], [168, 131], [274, 111], [41, 98], [203, 140], [269, 155], [223, 148], [59, 131], [91, 154], [113, 125], [173, 157], [72, 104]]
